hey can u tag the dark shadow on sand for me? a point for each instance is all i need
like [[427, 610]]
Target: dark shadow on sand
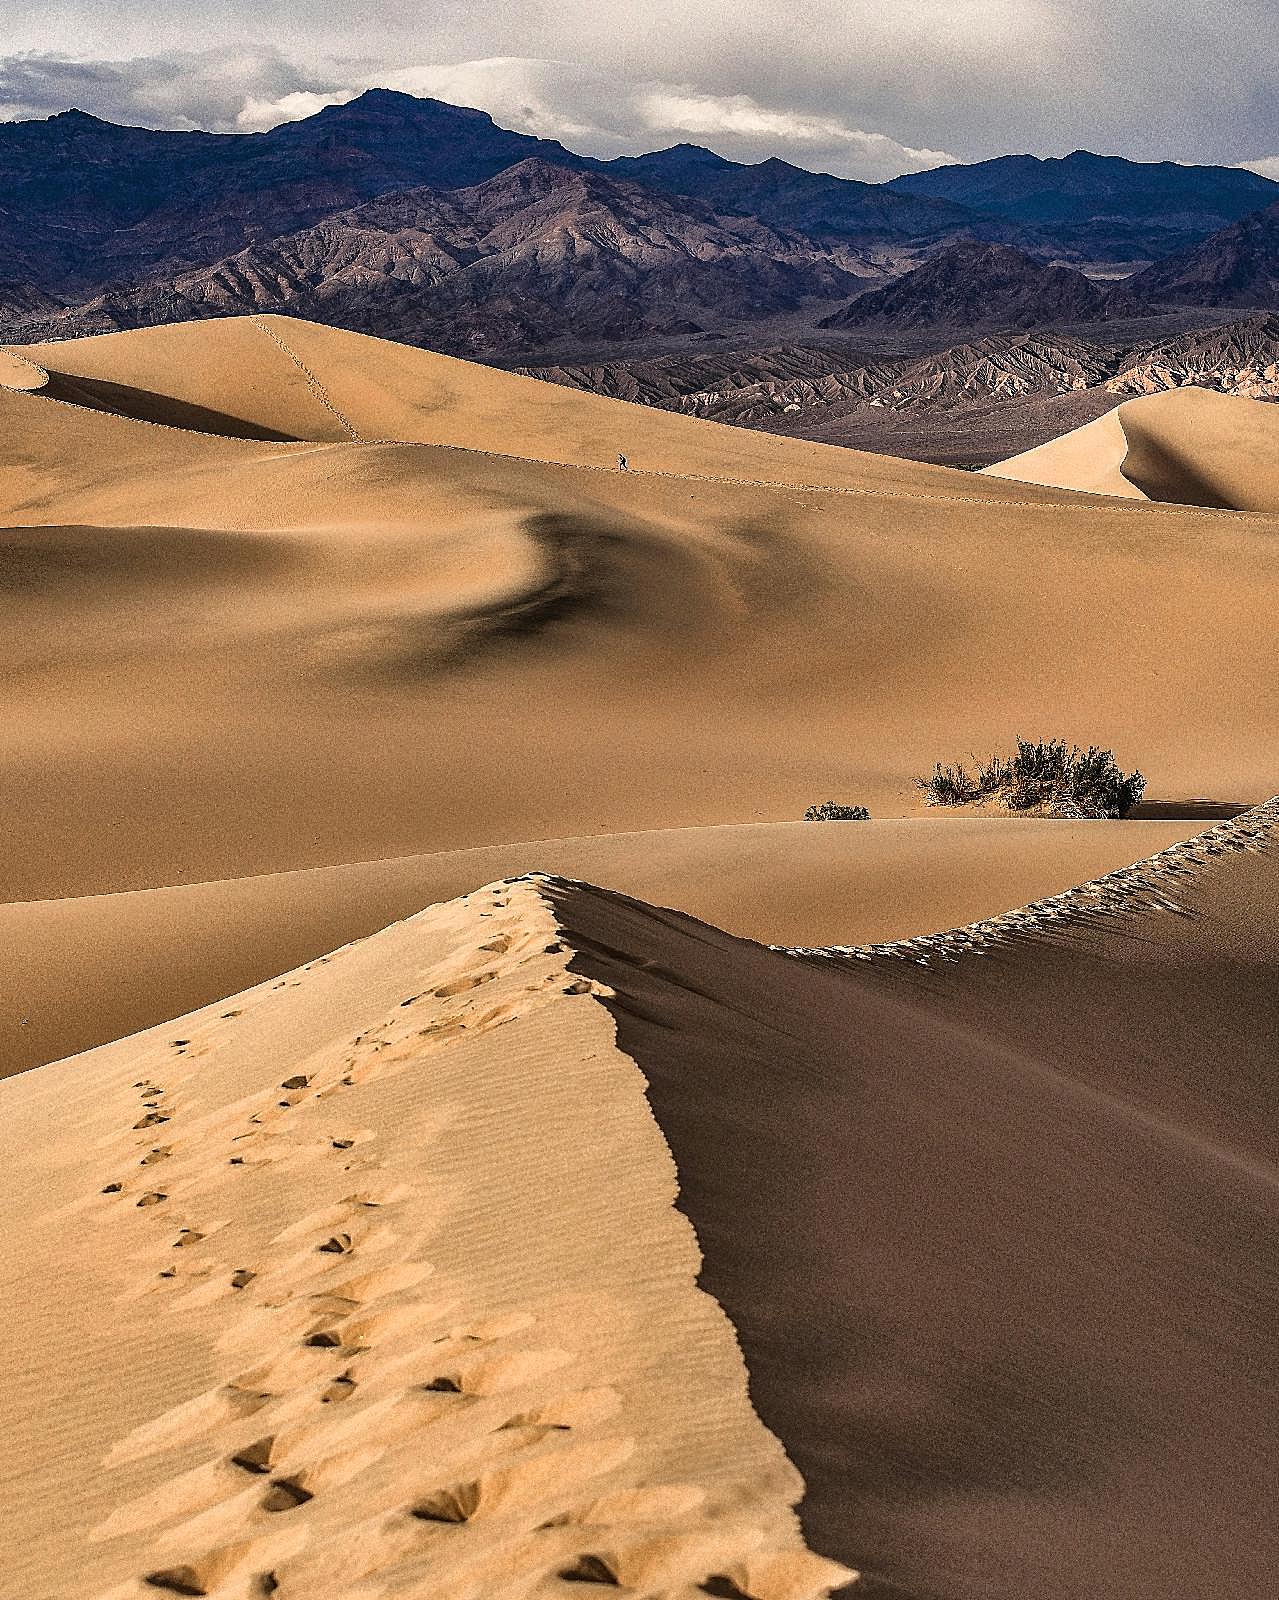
[[1196, 809], [146, 406]]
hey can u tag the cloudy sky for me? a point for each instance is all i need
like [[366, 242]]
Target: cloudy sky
[[865, 88]]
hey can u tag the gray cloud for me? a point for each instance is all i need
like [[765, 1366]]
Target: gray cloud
[[184, 89], [250, 89], [601, 114], [852, 86]]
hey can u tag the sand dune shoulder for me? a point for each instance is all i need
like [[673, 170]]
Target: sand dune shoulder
[[369, 1280], [77, 972], [1185, 446]]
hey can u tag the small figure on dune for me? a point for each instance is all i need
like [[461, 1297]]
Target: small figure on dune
[[621, 463]]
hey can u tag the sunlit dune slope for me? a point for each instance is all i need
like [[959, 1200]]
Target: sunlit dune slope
[[16, 372], [77, 972], [232, 655], [1090, 458], [367, 1282], [1186, 446], [287, 379]]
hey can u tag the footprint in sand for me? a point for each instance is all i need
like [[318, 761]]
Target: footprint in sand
[[461, 985]]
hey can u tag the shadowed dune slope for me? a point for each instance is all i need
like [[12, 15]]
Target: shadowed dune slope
[[1207, 449], [1186, 446], [231, 655], [1015, 1324], [367, 1282], [75, 973]]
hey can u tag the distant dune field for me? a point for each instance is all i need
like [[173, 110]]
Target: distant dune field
[[232, 655], [1187, 446], [470, 1140]]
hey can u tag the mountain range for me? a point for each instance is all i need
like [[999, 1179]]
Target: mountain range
[[426, 222], [975, 285], [535, 253], [963, 405], [1239, 265], [1103, 205]]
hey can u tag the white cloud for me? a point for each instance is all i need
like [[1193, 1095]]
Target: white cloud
[[859, 87], [743, 122], [552, 99], [1265, 166], [246, 90], [257, 115], [220, 89], [599, 114]]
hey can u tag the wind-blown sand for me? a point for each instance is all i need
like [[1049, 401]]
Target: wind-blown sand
[[75, 973], [550, 1242], [369, 1282], [233, 656]]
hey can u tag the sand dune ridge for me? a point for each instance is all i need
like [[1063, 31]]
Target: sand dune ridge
[[1153, 884]]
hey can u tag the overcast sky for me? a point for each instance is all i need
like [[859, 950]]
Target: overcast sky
[[865, 88]]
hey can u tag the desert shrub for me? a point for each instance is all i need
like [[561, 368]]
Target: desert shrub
[[992, 776], [949, 786], [1048, 775], [832, 811]]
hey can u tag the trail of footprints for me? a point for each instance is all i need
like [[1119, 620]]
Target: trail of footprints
[[368, 1438]]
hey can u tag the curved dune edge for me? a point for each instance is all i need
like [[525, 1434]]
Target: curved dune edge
[[994, 1235], [1186, 447], [371, 1282], [1151, 885], [235, 655], [76, 973], [17, 372], [1090, 459]]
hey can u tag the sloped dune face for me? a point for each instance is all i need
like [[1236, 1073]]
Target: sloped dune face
[[16, 372], [1186, 447], [77, 972], [548, 1240], [335, 639], [1200, 448], [369, 1282], [1090, 459]]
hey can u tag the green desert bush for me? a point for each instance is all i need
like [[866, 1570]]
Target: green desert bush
[[832, 811], [1048, 776]]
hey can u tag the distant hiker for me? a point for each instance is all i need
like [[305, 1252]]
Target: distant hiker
[[621, 463]]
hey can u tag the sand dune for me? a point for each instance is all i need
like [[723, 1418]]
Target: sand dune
[[233, 656], [1089, 458], [288, 379], [1185, 446], [16, 372], [994, 1218], [77, 972], [353, 1316], [369, 1281], [550, 1241]]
